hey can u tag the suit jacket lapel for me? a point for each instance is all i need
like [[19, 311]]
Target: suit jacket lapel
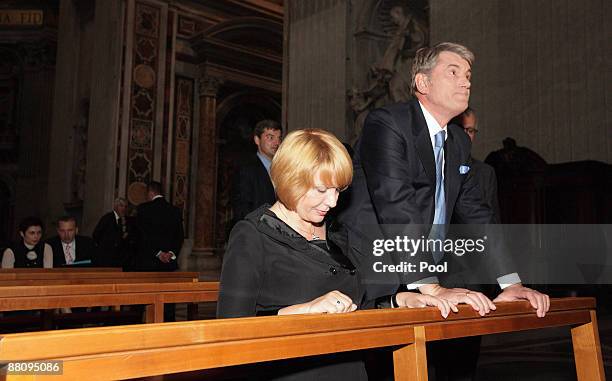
[[423, 142]]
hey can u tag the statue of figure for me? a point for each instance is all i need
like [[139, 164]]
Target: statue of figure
[[360, 106], [362, 102], [409, 36], [389, 78]]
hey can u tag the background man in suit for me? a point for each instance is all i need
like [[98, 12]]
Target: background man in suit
[[484, 173], [69, 248], [160, 228], [252, 186], [112, 236]]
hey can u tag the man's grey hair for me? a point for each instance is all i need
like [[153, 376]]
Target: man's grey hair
[[427, 58], [120, 201]]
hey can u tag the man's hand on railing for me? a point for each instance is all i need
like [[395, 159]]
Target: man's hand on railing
[[334, 302], [540, 302], [477, 300], [415, 300]]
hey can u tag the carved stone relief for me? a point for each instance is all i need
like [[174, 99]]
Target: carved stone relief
[[396, 29]]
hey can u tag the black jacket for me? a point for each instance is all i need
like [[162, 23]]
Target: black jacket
[[395, 180], [268, 266], [108, 236], [487, 180], [85, 250], [251, 188], [160, 228]]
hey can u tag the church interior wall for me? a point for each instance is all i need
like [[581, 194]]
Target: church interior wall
[[540, 74], [539, 77]]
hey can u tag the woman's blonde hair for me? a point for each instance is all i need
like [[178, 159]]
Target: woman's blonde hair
[[304, 153]]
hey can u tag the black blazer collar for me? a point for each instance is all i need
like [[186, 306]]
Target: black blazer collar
[[423, 141]]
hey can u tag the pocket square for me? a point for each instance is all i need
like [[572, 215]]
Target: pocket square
[[463, 169]]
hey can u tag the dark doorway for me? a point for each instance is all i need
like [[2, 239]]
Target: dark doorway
[[235, 147]]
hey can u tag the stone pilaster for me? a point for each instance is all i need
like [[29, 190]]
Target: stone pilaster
[[206, 159]]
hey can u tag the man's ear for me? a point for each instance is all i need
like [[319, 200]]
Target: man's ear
[[76, 231], [256, 140], [422, 83], [22, 235]]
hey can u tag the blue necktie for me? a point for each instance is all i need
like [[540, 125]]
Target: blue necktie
[[437, 230]]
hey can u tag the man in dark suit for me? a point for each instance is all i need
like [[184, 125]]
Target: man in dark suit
[[71, 249], [252, 186], [396, 178], [160, 236], [112, 236], [484, 173], [160, 229], [412, 169]]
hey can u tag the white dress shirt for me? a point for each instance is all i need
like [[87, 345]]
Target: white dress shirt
[[434, 128]]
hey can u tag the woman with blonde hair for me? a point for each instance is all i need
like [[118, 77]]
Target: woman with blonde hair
[[287, 259]]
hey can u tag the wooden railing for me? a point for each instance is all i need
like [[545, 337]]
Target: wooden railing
[[60, 270], [47, 277], [156, 349], [153, 295]]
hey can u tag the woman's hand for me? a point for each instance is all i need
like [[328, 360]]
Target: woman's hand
[[334, 302], [417, 300]]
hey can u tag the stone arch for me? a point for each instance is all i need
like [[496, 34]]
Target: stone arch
[[255, 32]]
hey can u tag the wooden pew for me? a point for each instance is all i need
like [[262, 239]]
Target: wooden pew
[[61, 270], [156, 349], [153, 295], [72, 276], [9, 277]]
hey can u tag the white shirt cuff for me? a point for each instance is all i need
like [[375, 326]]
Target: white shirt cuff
[[422, 282], [508, 280]]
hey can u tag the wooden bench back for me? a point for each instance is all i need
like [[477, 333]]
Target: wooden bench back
[[154, 349], [50, 282], [88, 274], [115, 288], [61, 270]]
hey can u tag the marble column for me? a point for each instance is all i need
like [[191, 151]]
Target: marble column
[[104, 112], [206, 166], [64, 114]]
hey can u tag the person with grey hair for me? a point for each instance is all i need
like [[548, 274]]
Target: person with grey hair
[[411, 167], [412, 170], [112, 235]]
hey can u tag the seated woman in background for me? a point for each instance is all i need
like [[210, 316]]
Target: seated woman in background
[[30, 250], [285, 259]]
